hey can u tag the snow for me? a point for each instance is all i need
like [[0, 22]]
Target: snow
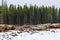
[[36, 35], [2, 24]]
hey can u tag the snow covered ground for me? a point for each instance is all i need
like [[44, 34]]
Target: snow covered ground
[[53, 34]]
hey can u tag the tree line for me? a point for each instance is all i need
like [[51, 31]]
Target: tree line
[[29, 15]]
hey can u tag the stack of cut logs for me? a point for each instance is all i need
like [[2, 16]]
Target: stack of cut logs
[[5, 27]]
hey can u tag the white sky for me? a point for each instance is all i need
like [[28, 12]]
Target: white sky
[[56, 3]]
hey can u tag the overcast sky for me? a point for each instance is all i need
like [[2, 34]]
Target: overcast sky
[[56, 3]]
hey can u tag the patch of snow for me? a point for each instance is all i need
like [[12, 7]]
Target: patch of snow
[[38, 35]]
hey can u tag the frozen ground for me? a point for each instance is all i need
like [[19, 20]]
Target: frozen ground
[[53, 34]]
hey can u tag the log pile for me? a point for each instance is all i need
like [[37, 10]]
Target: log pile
[[6, 27]]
